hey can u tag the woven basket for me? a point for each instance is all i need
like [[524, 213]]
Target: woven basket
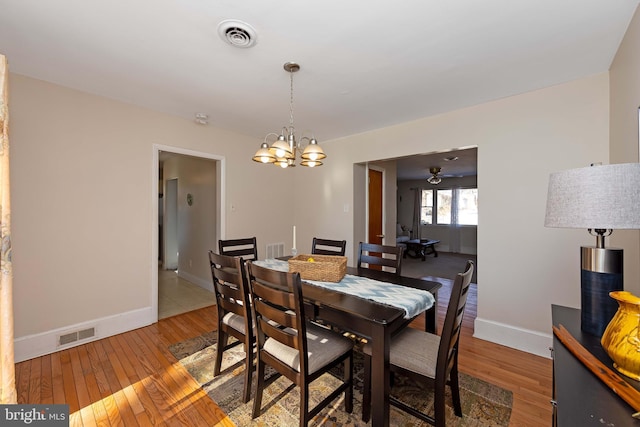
[[324, 268]]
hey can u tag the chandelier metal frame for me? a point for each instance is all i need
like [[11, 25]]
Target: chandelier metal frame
[[285, 148]]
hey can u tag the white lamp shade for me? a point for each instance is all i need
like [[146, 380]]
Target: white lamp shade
[[595, 197]]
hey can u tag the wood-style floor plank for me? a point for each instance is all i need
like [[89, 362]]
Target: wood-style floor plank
[[94, 351], [152, 414], [124, 408], [97, 405], [57, 385], [132, 379], [82, 390], [35, 377], [23, 372], [46, 387]]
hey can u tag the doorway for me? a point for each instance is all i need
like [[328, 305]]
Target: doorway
[[185, 207], [402, 177]]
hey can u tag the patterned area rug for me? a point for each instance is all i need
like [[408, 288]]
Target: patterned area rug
[[483, 404]]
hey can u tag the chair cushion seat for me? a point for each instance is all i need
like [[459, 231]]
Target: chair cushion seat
[[235, 321], [323, 347], [414, 350]]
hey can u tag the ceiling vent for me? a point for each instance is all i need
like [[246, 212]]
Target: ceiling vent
[[237, 33]]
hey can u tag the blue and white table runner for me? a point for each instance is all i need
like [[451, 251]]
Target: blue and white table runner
[[412, 301]]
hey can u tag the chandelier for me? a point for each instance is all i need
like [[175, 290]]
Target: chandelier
[[285, 148]]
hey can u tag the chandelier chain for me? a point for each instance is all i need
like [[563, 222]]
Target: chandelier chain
[[291, 100]]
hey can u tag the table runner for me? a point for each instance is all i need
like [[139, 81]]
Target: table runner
[[412, 301]]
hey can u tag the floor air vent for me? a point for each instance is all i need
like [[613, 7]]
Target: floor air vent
[[76, 336], [275, 250]]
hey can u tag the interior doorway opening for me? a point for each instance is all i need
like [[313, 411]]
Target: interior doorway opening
[[187, 219]]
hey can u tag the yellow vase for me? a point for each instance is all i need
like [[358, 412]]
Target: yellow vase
[[620, 339]]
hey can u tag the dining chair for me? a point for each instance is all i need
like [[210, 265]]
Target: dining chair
[[233, 303], [328, 247], [380, 256], [246, 248], [427, 357], [293, 346]]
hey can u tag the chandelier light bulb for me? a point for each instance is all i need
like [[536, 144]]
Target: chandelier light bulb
[[263, 155], [280, 153]]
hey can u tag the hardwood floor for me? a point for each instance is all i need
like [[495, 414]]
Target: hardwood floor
[[131, 379]]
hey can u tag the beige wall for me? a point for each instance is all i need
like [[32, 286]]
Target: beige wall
[[525, 266], [85, 209], [625, 100]]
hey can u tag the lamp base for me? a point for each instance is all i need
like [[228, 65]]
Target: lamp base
[[600, 274]]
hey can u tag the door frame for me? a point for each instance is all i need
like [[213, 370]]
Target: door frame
[[155, 179]]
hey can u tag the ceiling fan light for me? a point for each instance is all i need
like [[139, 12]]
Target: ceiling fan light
[[434, 179]]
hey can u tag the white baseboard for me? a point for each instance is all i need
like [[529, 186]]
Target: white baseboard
[[206, 284], [36, 345], [521, 339]]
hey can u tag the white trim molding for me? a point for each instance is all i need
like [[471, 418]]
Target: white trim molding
[[533, 342], [37, 345]]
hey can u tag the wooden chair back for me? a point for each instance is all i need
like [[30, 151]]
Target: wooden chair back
[[233, 303], [246, 248], [441, 351], [450, 337], [379, 256], [328, 247], [279, 314], [281, 327]]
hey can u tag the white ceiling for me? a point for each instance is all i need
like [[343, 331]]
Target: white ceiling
[[452, 164], [364, 64]]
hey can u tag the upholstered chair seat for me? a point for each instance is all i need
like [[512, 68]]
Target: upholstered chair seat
[[323, 347]]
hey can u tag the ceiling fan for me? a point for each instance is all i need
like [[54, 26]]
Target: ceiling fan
[[434, 178]]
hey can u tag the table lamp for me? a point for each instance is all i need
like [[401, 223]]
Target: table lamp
[[600, 199]]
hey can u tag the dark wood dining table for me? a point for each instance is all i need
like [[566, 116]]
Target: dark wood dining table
[[375, 321]]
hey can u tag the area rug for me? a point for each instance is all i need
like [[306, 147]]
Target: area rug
[[483, 404]]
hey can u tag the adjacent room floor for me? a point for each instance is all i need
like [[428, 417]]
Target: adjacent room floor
[[176, 295]]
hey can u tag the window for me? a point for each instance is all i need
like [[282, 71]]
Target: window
[[444, 206], [452, 206], [468, 206], [426, 207]]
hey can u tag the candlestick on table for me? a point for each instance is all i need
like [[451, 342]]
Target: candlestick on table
[[293, 249]]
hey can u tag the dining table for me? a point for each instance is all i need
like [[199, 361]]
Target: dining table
[[371, 319]]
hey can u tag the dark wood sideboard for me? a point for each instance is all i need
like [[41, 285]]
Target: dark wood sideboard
[[579, 397]]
